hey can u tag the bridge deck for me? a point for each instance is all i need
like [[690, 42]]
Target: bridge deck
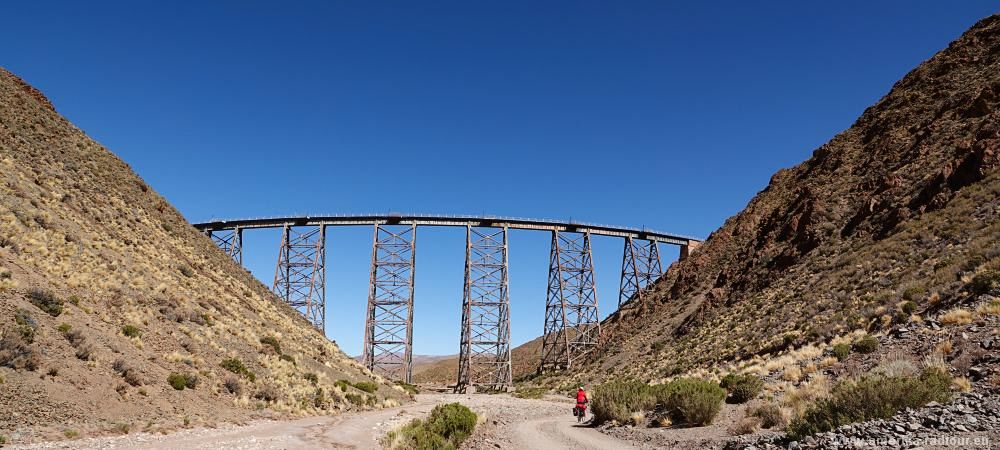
[[439, 220]]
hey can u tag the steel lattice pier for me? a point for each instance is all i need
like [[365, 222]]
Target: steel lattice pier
[[388, 344], [640, 268], [229, 241], [484, 351], [300, 278], [572, 325]]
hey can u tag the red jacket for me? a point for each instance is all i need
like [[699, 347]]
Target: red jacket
[[581, 399]]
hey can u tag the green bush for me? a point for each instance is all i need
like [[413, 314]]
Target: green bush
[[742, 388], [617, 400], [46, 301], [692, 401], [367, 386], [446, 428], [131, 331], [179, 381], [342, 384], [236, 366], [841, 351], [871, 397], [908, 307], [289, 358], [273, 342], [64, 328], [865, 344], [311, 377], [987, 282]]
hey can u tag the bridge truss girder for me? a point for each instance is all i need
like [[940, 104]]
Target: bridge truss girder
[[484, 352], [229, 241], [572, 324], [300, 277], [388, 348], [640, 268]]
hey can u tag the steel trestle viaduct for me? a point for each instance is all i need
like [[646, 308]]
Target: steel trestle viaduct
[[572, 323]]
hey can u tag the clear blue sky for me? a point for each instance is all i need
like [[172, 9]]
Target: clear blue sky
[[662, 114]]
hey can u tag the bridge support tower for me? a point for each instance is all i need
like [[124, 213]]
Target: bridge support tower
[[229, 241], [484, 353], [572, 325], [388, 348], [300, 278], [641, 266]]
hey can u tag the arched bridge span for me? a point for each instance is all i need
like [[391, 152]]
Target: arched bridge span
[[572, 324]]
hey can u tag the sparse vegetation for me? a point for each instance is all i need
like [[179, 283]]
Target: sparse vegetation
[[529, 392], [841, 351], [957, 316], [342, 385], [272, 342], [236, 366], [268, 393], [742, 388], [131, 331], [865, 344], [46, 301], [770, 415], [64, 328], [288, 358], [180, 381], [409, 388], [233, 386], [987, 282], [871, 397], [311, 377], [367, 386], [129, 374], [446, 428]]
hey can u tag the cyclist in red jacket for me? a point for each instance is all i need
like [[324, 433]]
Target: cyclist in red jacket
[[581, 404]]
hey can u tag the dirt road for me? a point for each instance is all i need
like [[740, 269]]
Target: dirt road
[[507, 422]]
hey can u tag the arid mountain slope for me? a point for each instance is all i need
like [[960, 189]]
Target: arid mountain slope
[[444, 371], [106, 291], [903, 206]]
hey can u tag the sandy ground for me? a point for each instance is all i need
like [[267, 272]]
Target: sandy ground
[[506, 422]]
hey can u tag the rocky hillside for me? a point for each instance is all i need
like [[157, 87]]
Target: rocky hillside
[[896, 219], [117, 315]]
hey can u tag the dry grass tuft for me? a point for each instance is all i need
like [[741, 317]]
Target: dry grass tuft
[[957, 316]]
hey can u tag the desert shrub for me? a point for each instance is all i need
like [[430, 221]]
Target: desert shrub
[[74, 337], [342, 384], [64, 328], [311, 377], [129, 374], [233, 386], [268, 393], [446, 428], [16, 353], [693, 401], [616, 400], [987, 282], [180, 381], [236, 366], [286, 357], [272, 342], [841, 351], [530, 392], [908, 307], [742, 388], [85, 350], [957, 316], [367, 386], [356, 399], [748, 425], [26, 325], [409, 388], [865, 344], [46, 301], [131, 331], [871, 397], [186, 271], [770, 415]]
